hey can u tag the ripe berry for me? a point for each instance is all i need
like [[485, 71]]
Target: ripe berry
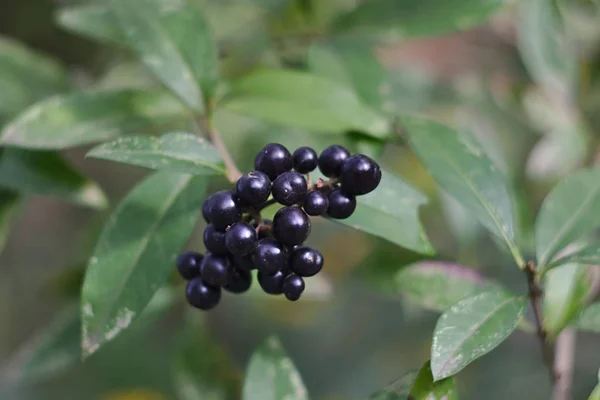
[[331, 160], [270, 256], [273, 160], [291, 226], [224, 210], [201, 295], [206, 208], [243, 262], [240, 239], [214, 240], [272, 284], [289, 188], [253, 188], [188, 264], [239, 281], [304, 160], [316, 203], [306, 261], [215, 270], [293, 286], [360, 175], [341, 205]]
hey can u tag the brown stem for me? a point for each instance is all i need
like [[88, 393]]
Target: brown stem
[[535, 297], [209, 130], [563, 364]]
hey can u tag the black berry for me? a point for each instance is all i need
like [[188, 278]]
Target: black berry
[[306, 261], [316, 203], [253, 188], [188, 264], [240, 239], [272, 284], [289, 188], [206, 208], [341, 205], [304, 160], [239, 281], [243, 262], [274, 159], [224, 210], [332, 159], [360, 175], [201, 295], [214, 240], [270, 256], [215, 270], [291, 226], [293, 286]]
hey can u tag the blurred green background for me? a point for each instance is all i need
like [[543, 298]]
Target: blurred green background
[[354, 333]]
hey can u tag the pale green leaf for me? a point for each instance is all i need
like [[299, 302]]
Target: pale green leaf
[[82, 118], [569, 212], [271, 375], [425, 388], [473, 327], [174, 41], [397, 390], [587, 255], [46, 173], [303, 100], [183, 152], [136, 252], [589, 319], [461, 167], [91, 20]]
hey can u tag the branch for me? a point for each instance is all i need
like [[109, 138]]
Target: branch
[[535, 297], [211, 133], [563, 364]]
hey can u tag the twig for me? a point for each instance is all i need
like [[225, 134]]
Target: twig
[[535, 297], [563, 364], [211, 133]]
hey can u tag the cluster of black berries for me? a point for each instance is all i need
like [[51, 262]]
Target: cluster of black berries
[[238, 240]]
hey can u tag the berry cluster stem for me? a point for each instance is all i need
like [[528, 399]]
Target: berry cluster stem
[[212, 134]]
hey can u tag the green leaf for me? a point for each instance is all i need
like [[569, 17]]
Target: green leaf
[[437, 285], [26, 76], [174, 41], [589, 320], [82, 118], [544, 48], [271, 375], [136, 251], [587, 255], [396, 19], [184, 152], [46, 173], [565, 291], [9, 204], [94, 21], [425, 388], [460, 166], [596, 393], [473, 327], [202, 368], [569, 212], [392, 212], [397, 390], [303, 100]]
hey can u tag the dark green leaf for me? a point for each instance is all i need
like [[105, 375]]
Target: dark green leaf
[[174, 41], [396, 19], [26, 76], [203, 369], [589, 320], [136, 251], [46, 173], [473, 327], [82, 118], [91, 20], [397, 390], [544, 48], [271, 375], [460, 166], [9, 204], [391, 212], [425, 388], [569, 212], [304, 100], [184, 152]]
